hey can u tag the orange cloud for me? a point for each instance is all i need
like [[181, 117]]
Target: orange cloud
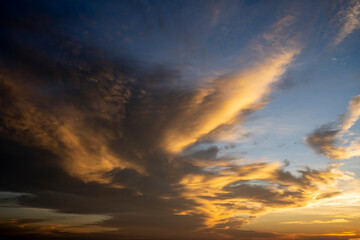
[[225, 99], [236, 194]]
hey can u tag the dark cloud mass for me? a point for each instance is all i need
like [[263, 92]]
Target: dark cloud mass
[[89, 125], [58, 92]]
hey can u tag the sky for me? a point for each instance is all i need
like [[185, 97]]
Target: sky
[[186, 120]]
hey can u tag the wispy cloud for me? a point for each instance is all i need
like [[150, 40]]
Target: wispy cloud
[[349, 20]]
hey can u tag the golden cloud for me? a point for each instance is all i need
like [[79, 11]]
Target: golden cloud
[[238, 192], [224, 99]]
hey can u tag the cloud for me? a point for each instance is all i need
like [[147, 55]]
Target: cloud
[[91, 105], [85, 131], [225, 99], [328, 139], [334, 236], [350, 20], [225, 192], [81, 148], [62, 130], [340, 220], [36, 226], [247, 234]]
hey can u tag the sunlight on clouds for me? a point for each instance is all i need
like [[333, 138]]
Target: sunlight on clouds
[[353, 114], [326, 139], [64, 131], [352, 233], [91, 165], [350, 196], [179, 120], [255, 189], [340, 220], [225, 98], [204, 190], [336, 211]]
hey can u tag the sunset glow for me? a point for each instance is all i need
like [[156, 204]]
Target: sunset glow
[[208, 120]]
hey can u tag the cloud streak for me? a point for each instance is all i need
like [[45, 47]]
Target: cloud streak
[[225, 98], [350, 20]]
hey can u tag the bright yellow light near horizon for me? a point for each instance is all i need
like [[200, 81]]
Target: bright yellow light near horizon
[[318, 221]]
